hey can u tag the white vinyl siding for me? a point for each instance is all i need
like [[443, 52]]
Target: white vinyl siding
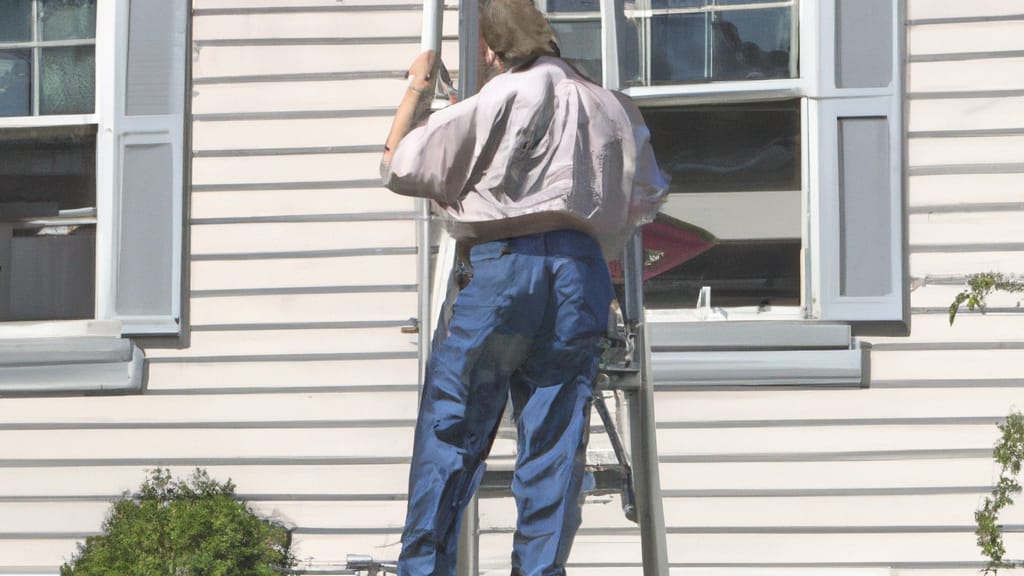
[[281, 392]]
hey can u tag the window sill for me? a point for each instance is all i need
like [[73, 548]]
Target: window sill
[[672, 333], [756, 353], [59, 329], [69, 365]]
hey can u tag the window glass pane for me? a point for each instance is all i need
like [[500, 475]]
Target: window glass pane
[[751, 44], [706, 45], [15, 20], [580, 44], [632, 52], [656, 4], [47, 240], [739, 147], [678, 47], [15, 82], [67, 19], [750, 274], [735, 173], [68, 80], [573, 5], [52, 167]]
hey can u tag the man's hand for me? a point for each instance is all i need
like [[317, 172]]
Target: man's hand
[[423, 71], [415, 103]]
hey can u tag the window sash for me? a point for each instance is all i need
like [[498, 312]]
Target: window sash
[[36, 45]]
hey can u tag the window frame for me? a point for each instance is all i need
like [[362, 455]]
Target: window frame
[[102, 350], [805, 346], [815, 87], [61, 327]]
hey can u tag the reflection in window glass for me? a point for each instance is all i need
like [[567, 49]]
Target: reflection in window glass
[[573, 6], [763, 275], [47, 65], [51, 168], [737, 147], [16, 21], [751, 44], [692, 42], [48, 194], [656, 4], [580, 44], [67, 19], [68, 80], [15, 82], [678, 48], [738, 165]]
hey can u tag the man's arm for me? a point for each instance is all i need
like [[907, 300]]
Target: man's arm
[[415, 102]]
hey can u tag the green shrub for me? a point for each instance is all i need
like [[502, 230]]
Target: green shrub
[[1009, 454], [979, 287], [192, 527]]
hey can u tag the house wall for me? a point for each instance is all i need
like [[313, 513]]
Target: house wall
[[889, 476], [298, 382], [884, 479], [299, 385]]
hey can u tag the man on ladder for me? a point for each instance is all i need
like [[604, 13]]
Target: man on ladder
[[545, 175]]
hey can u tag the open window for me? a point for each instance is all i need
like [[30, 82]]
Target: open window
[[781, 124], [92, 162]]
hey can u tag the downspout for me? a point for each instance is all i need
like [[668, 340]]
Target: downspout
[[430, 40]]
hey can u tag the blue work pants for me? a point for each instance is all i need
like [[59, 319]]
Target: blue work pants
[[529, 325]]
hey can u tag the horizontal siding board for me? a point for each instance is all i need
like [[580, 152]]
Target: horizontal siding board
[[205, 444], [814, 477], [834, 549], [966, 114], [831, 439], [197, 377], [375, 515], [955, 151], [968, 37], [988, 227], [264, 483], [355, 271], [258, 203], [36, 517], [280, 97], [329, 551], [230, 61], [975, 75], [969, 328], [282, 168], [296, 342], [36, 555], [949, 364], [289, 133], [715, 406], [816, 513], [949, 189], [303, 236], [925, 9], [302, 308], [963, 263], [67, 411], [338, 23]]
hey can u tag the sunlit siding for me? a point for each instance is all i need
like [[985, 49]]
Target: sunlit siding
[[299, 385], [297, 382]]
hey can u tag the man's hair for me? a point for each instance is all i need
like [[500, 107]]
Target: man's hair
[[516, 31]]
